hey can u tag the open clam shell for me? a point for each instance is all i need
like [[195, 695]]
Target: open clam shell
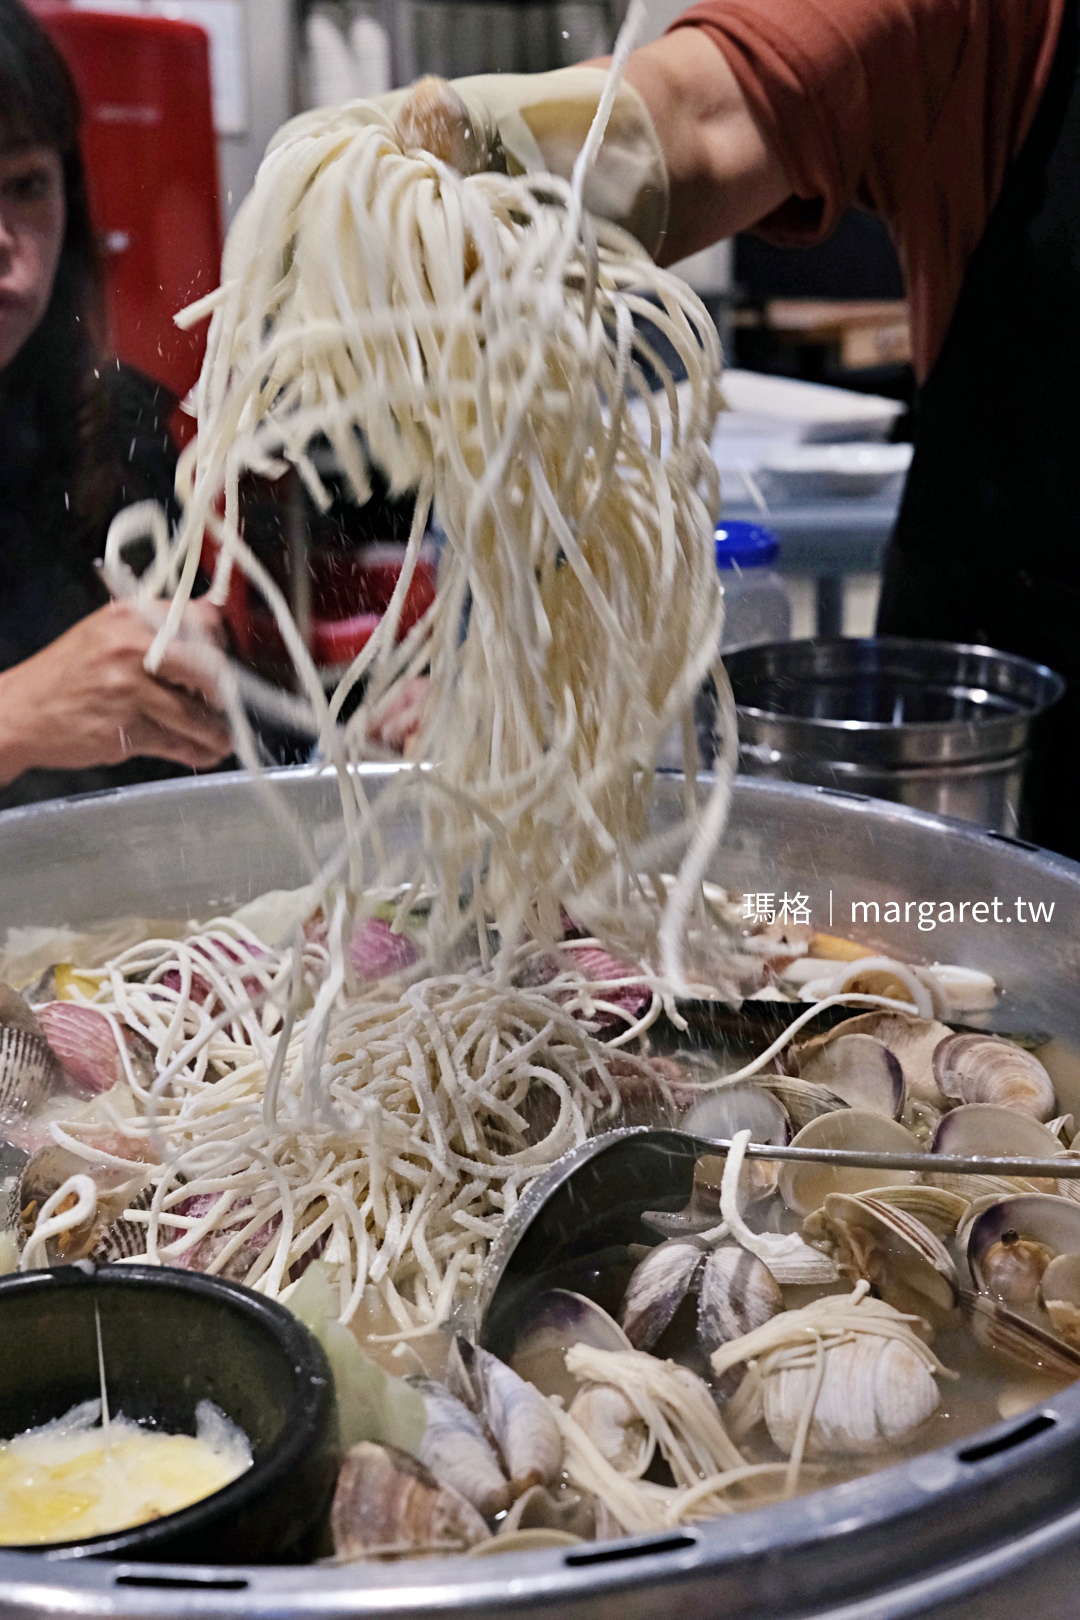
[[657, 1288], [46, 1171], [911, 1040], [551, 1322], [1011, 1244], [804, 1187], [1004, 1332], [986, 1069], [861, 1071], [908, 1266]]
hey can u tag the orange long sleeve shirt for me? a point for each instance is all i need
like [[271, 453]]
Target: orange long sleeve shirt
[[914, 109]]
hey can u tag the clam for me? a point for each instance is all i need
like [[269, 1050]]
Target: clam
[[1060, 1295], [987, 1069], [861, 1071], [801, 1100], [388, 1505], [910, 1039], [743, 1106], [875, 1392], [988, 1129], [514, 1413], [613, 1424], [29, 1071], [552, 1322], [658, 1286], [804, 1187], [938, 1208], [46, 1171], [85, 1042], [740, 1106], [997, 1328], [738, 1293], [908, 1266], [1011, 1244], [458, 1452]]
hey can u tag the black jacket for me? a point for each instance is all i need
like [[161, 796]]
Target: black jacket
[[48, 578]]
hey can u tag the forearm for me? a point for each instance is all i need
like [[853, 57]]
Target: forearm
[[723, 176], [16, 729]]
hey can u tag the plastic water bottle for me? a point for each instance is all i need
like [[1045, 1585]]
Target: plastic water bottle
[[756, 608], [756, 603]]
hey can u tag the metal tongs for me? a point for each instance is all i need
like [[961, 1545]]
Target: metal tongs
[[1067, 1167]]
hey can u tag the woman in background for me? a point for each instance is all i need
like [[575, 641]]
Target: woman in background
[[80, 438]]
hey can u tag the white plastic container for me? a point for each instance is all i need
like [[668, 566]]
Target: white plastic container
[[756, 603]]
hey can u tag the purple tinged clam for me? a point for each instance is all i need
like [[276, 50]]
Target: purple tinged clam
[[1012, 1243], [978, 1068], [549, 1325], [987, 1129], [658, 1286], [861, 1071]]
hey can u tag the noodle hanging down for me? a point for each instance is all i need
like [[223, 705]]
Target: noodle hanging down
[[479, 339]]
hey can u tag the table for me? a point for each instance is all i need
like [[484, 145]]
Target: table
[[827, 539]]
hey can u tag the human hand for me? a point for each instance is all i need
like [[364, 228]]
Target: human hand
[[87, 700], [396, 723], [533, 123]]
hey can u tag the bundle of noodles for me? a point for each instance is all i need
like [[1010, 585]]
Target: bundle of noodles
[[436, 1105], [478, 338]]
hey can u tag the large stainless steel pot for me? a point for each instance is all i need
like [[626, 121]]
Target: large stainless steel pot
[[933, 724], [973, 1530]]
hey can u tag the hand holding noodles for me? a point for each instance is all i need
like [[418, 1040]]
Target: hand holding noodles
[[475, 336]]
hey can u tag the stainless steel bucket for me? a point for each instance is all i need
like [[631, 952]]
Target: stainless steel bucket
[[973, 1531], [935, 725]]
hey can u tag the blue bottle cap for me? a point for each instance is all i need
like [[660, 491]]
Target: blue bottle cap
[[745, 545]]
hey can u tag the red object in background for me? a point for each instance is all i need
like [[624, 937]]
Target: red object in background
[[151, 167], [350, 592]]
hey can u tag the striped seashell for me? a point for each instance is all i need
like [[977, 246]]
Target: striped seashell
[[29, 1071], [123, 1239], [598, 966], [84, 1041], [376, 952]]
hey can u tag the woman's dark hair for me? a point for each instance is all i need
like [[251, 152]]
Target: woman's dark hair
[[56, 369]]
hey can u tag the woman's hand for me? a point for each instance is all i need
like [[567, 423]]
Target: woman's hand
[[87, 700], [397, 723]]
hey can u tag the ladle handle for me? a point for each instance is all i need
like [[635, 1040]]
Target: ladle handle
[[1066, 1168]]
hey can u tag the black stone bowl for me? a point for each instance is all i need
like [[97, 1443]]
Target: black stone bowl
[[170, 1340]]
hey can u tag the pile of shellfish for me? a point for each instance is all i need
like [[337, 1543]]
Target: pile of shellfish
[[805, 1340]]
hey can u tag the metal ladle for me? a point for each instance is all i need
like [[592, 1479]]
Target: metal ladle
[[592, 1200]]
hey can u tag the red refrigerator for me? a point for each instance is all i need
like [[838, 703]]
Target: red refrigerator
[[151, 163]]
